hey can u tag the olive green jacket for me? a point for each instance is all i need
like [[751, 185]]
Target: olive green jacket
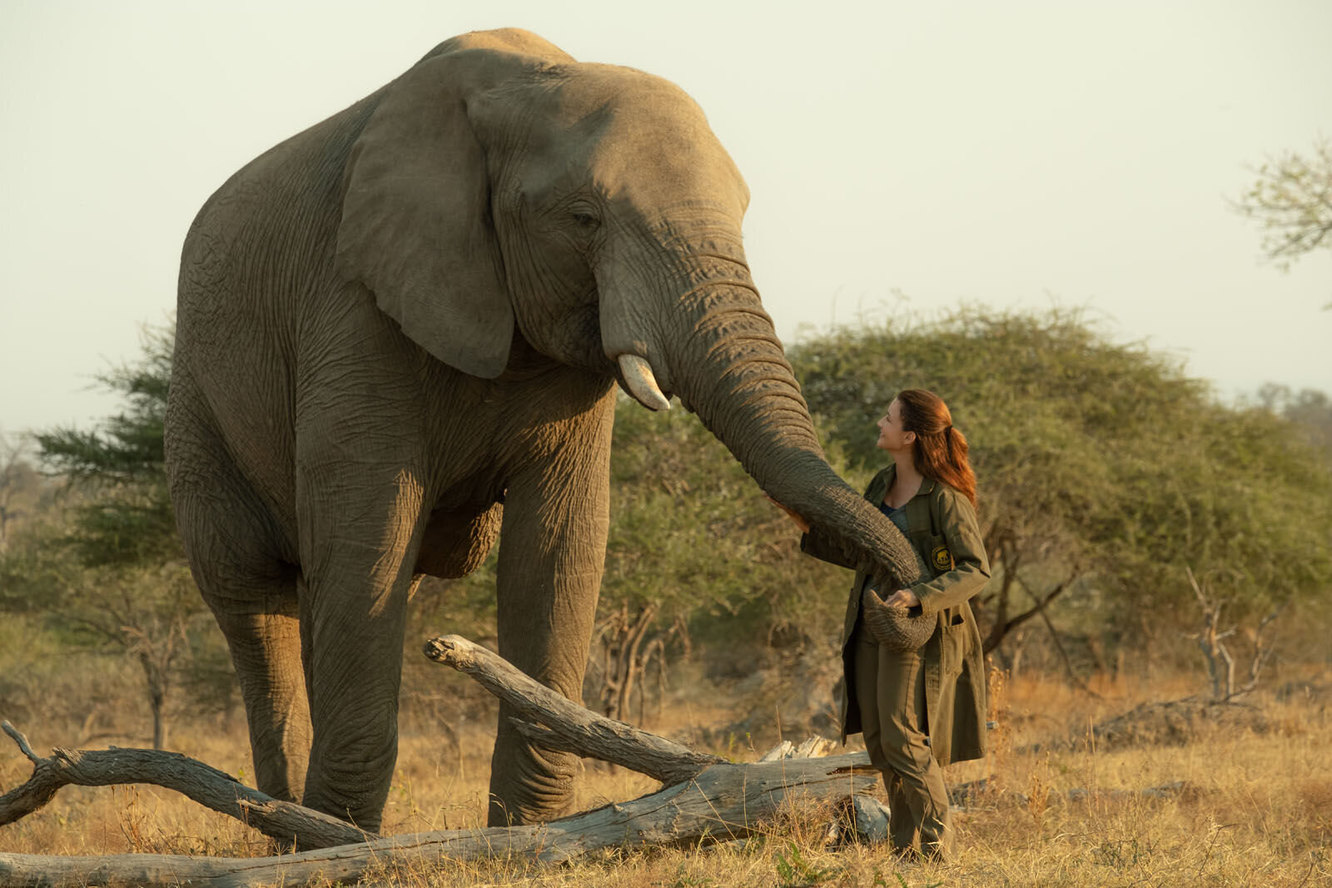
[[942, 528]]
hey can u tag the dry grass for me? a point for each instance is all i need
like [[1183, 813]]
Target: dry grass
[[1255, 807]]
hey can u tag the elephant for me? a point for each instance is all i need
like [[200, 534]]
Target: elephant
[[399, 336]]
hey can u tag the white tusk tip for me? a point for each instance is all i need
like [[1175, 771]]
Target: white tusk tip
[[641, 383]]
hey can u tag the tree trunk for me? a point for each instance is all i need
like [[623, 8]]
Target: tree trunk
[[158, 702]]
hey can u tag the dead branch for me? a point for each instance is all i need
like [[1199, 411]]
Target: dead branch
[[1211, 641], [1263, 650], [568, 726], [201, 783]]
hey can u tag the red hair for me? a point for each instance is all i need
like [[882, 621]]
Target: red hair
[[940, 450]]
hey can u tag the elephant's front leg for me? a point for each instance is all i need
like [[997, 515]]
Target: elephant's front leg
[[552, 554], [361, 534]]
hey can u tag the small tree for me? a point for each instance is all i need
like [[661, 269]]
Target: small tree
[[145, 613], [1212, 642], [132, 590]]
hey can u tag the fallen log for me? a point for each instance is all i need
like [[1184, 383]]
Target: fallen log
[[726, 801], [706, 800]]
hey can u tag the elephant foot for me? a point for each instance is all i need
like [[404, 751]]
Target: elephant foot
[[362, 818], [363, 810], [540, 789]]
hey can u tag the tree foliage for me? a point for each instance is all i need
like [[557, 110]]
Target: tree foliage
[[127, 447], [121, 466], [692, 533], [1291, 200], [697, 555], [1104, 470]]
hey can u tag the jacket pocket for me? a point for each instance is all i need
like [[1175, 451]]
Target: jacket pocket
[[954, 644]]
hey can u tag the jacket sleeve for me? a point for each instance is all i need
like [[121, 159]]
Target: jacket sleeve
[[971, 566]]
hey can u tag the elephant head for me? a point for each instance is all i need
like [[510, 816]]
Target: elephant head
[[499, 184]]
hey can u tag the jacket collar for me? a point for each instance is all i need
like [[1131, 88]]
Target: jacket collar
[[884, 480]]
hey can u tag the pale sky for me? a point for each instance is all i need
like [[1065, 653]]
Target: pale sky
[[903, 157]]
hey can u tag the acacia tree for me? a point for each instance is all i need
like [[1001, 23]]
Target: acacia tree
[[1109, 478], [1106, 474], [1017, 386]]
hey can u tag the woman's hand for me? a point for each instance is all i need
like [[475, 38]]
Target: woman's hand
[[799, 521], [902, 598]]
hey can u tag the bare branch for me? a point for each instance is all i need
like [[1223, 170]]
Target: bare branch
[[17, 736], [1262, 652], [999, 631], [579, 730], [206, 785]]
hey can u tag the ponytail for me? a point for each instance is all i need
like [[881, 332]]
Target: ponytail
[[940, 450]]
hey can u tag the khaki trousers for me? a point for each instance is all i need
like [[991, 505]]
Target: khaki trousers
[[890, 691]]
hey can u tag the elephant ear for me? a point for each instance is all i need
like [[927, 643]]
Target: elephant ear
[[416, 225]]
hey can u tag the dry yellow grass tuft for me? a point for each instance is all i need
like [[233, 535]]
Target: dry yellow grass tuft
[[1237, 807]]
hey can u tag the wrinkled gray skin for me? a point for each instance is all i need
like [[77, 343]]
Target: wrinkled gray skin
[[410, 314]]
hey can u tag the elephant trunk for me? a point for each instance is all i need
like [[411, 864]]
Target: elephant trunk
[[733, 373]]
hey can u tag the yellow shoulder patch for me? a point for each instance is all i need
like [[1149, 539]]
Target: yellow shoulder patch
[[942, 558]]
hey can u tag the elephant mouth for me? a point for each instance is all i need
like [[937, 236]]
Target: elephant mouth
[[638, 379]]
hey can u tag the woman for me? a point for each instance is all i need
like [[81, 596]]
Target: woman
[[923, 708]]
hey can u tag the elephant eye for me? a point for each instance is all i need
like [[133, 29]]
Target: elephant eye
[[584, 219]]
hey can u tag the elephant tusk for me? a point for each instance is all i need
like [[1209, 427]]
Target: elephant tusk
[[641, 383]]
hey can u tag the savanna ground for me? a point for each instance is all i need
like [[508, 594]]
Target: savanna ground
[[1250, 801]]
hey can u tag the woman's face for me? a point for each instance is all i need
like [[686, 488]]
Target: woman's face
[[892, 437]]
